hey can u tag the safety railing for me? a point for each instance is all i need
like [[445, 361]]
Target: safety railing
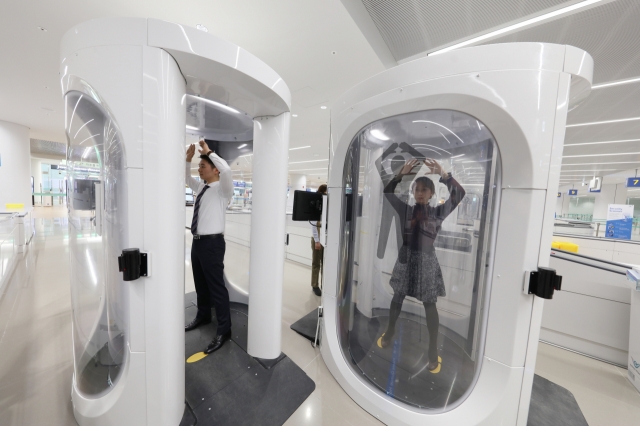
[[8, 244], [590, 228]]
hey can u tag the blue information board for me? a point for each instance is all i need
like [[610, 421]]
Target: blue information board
[[633, 182], [619, 221], [573, 192]]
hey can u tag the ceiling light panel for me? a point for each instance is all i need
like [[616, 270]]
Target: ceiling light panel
[[411, 27], [597, 164], [615, 83], [611, 131], [308, 161], [588, 170], [608, 103], [536, 20], [609, 32], [602, 155], [601, 143], [598, 123]]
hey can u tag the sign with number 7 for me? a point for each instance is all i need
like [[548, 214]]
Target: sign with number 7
[[633, 182]]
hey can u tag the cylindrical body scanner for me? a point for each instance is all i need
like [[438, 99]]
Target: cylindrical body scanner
[[427, 321], [127, 83]]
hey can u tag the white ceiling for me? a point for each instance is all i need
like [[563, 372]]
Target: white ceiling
[[321, 49], [608, 30], [611, 34], [296, 38]]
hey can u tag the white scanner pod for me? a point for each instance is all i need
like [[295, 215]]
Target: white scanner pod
[[126, 84], [494, 117]]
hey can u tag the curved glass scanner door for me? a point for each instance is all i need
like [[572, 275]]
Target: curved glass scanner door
[[415, 251], [97, 179]]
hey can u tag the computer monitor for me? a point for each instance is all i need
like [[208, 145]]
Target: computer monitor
[[307, 205], [84, 194]]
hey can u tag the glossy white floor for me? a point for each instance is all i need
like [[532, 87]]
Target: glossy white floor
[[36, 363]]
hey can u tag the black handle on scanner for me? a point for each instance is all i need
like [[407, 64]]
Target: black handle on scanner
[[544, 282], [132, 264]]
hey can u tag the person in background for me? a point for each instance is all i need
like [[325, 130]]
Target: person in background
[[318, 250], [207, 251]]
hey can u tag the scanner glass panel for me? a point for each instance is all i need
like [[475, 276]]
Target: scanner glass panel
[[98, 294], [441, 258]]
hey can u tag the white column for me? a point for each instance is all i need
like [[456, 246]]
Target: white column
[[15, 167], [298, 183], [621, 194], [36, 172], [270, 158]]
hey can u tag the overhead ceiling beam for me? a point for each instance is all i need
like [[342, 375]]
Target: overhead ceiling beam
[[363, 20]]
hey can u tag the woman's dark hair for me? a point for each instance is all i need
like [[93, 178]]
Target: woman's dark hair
[[423, 180], [322, 188], [208, 160], [420, 213]]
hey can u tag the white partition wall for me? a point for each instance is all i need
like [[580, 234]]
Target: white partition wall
[[298, 183], [494, 117], [15, 165], [125, 82]]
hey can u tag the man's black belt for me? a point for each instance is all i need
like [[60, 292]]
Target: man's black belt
[[204, 237]]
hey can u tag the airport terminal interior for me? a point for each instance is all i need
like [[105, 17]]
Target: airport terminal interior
[[417, 212]]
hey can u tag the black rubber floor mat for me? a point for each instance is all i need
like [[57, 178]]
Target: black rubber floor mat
[[306, 326], [553, 405], [188, 419], [239, 324], [208, 376], [229, 387], [260, 397]]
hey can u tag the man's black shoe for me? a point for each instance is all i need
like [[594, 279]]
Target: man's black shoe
[[317, 291], [217, 342], [196, 323]]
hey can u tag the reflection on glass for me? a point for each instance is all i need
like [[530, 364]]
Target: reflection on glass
[[98, 295], [419, 196]]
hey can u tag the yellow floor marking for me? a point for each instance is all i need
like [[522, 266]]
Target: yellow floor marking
[[196, 357], [438, 368]]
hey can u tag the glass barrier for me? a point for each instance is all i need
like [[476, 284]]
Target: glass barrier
[[8, 241], [242, 197], [567, 225], [98, 294], [415, 248]]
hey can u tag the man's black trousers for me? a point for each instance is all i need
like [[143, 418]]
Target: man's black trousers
[[207, 262]]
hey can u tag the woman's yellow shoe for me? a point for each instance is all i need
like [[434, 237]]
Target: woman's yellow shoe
[[438, 368]]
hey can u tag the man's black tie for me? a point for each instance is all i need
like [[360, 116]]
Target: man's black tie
[[196, 207]]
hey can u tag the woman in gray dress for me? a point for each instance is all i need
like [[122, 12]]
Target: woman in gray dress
[[417, 271]]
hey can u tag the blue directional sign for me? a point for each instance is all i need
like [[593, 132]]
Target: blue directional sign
[[633, 182], [573, 192], [559, 194]]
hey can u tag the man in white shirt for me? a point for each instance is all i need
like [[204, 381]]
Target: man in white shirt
[[207, 251]]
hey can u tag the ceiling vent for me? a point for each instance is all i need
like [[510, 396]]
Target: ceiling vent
[[411, 27]]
